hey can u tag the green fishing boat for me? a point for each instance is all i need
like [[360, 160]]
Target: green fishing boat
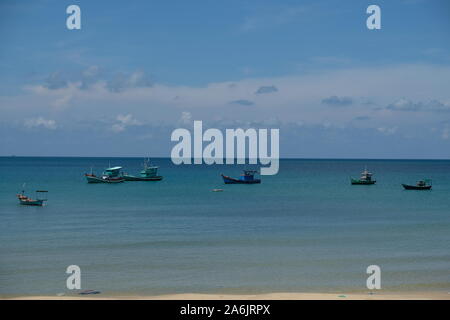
[[149, 173], [110, 175], [365, 179]]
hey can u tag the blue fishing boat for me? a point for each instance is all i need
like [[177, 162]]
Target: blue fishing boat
[[27, 201], [248, 177], [110, 175], [150, 173]]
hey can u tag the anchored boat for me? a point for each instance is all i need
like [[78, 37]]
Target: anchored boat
[[420, 185], [110, 175], [248, 177], [27, 201], [366, 178], [150, 173]]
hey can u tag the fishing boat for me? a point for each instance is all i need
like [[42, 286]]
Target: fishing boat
[[366, 178], [420, 185], [150, 173], [27, 201], [248, 177], [110, 175]]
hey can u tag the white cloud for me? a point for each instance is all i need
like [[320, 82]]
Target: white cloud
[[299, 99], [186, 117], [127, 120], [408, 105], [387, 131], [121, 82], [118, 127], [40, 122], [92, 71], [124, 121], [59, 98]]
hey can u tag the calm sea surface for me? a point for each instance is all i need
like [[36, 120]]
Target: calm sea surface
[[305, 229]]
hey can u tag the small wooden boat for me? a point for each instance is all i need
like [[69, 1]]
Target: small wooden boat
[[365, 179], [148, 174], [420, 185], [24, 200], [110, 175], [246, 178]]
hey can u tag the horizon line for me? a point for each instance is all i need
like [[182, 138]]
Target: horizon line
[[281, 158]]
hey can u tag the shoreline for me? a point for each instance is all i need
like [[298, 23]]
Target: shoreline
[[263, 296]]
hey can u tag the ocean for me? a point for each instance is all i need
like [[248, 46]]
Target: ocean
[[305, 229]]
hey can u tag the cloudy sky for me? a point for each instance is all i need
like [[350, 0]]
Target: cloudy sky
[[137, 70]]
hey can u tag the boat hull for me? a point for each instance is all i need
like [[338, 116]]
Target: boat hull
[[409, 187], [133, 178], [38, 203], [229, 180], [94, 179], [362, 182]]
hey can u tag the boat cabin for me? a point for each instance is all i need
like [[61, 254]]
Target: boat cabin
[[150, 171], [112, 172], [366, 176], [421, 183], [248, 175]]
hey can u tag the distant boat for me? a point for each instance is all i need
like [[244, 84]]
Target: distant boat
[[86, 292], [27, 201], [246, 178], [110, 175], [150, 173], [366, 178], [420, 185]]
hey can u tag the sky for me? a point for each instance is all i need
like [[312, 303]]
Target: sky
[[137, 70]]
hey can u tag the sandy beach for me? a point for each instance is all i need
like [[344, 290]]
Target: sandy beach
[[267, 296]]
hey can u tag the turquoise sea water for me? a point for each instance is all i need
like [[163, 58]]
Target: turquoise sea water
[[305, 229]]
